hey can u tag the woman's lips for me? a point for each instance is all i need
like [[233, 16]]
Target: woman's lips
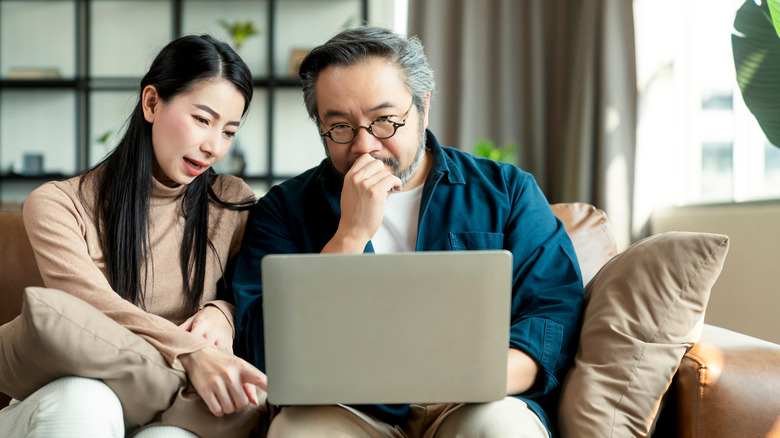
[[194, 167]]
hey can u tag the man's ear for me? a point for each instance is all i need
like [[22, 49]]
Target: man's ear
[[150, 102], [427, 101]]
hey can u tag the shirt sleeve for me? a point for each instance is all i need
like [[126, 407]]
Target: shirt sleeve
[[267, 232], [58, 230], [548, 293]]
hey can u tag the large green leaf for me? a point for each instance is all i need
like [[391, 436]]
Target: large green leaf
[[774, 11], [756, 48]]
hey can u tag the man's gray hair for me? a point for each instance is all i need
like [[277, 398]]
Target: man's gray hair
[[360, 44]]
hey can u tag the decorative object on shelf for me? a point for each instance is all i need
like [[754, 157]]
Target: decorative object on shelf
[[487, 149], [755, 44], [32, 164], [296, 57], [34, 73], [239, 31], [234, 162]]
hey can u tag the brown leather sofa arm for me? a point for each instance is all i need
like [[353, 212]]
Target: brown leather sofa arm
[[728, 385], [18, 269]]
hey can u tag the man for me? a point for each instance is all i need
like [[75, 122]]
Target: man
[[387, 186]]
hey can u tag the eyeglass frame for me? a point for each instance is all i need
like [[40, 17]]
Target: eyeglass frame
[[396, 125]]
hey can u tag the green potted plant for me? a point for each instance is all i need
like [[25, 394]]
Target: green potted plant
[[487, 149], [756, 48], [239, 31]]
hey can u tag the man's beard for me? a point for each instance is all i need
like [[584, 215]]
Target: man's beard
[[404, 175]]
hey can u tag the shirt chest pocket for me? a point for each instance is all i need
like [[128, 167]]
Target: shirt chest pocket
[[473, 241]]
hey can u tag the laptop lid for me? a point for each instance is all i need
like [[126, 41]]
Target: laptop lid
[[417, 327]]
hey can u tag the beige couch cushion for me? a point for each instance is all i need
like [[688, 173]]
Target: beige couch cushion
[[644, 309], [59, 335], [590, 233]]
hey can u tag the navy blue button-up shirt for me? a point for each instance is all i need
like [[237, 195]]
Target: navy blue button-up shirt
[[468, 203]]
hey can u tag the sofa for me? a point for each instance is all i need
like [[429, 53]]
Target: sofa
[[726, 385]]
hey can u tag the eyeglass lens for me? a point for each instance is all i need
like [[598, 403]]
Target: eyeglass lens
[[379, 128]]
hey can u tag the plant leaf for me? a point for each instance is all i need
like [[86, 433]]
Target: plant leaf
[[756, 48], [774, 11], [239, 30], [104, 138]]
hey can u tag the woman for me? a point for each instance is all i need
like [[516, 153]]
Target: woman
[[146, 236]]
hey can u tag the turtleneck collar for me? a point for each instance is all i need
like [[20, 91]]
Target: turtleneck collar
[[162, 194]]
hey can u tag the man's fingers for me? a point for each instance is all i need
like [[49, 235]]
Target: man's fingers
[[367, 171], [361, 163], [392, 182]]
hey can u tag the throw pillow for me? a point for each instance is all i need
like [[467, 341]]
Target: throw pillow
[[59, 335], [643, 310]]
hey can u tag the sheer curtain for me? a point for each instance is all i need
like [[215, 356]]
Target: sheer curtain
[[557, 77]]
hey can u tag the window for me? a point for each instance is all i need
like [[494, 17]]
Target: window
[[696, 140]]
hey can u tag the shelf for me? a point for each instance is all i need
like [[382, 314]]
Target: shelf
[[101, 48], [37, 177], [38, 83]]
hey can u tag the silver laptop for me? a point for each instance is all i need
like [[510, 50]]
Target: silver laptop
[[418, 327]]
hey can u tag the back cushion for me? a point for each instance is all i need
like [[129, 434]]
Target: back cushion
[[591, 234]]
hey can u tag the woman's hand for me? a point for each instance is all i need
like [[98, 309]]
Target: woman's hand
[[211, 324], [225, 382]]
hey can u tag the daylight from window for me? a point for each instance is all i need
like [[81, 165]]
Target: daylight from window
[[696, 141]]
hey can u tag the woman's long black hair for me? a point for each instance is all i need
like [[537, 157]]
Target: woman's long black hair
[[124, 186]]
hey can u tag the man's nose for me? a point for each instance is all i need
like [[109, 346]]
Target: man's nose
[[365, 142]]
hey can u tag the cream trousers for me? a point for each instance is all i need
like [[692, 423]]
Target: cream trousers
[[74, 407]]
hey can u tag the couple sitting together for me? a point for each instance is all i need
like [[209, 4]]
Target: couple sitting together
[[156, 240]]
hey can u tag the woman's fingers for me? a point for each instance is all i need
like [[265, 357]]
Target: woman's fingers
[[225, 382]]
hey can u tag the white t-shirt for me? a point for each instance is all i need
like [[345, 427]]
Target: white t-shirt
[[398, 231]]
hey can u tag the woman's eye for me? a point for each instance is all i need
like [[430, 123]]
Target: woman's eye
[[201, 120], [230, 134]]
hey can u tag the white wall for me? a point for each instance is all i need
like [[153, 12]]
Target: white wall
[[746, 297]]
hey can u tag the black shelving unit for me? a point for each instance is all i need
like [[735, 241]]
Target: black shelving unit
[[84, 85]]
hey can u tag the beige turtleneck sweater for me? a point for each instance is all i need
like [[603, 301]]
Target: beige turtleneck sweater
[[62, 232]]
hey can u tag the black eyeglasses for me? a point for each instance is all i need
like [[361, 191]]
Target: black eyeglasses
[[381, 128]]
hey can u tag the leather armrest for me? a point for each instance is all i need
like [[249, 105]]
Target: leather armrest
[[728, 385], [18, 269]]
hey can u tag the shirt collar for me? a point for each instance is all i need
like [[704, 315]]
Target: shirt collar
[[442, 163]]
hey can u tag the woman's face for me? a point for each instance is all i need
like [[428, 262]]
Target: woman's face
[[192, 131]]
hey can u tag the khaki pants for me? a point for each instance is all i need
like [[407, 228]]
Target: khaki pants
[[509, 417]]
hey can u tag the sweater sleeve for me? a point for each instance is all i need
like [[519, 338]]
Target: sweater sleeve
[[64, 241]]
